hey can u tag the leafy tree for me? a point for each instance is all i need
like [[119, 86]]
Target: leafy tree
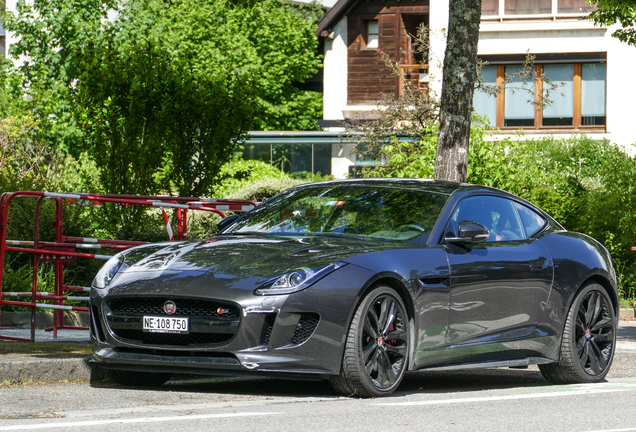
[[610, 12], [163, 91], [312, 11]]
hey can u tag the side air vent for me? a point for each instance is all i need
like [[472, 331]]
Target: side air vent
[[305, 328], [267, 328], [96, 326]]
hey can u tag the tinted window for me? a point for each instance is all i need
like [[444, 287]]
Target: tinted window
[[532, 221], [349, 210], [496, 214]]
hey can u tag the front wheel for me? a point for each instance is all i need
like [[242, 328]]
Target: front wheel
[[588, 341], [377, 346]]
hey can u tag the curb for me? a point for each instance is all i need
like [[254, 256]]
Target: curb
[[627, 313], [21, 370]]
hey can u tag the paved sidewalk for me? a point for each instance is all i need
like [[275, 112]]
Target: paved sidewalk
[[41, 335], [626, 337], [51, 366]]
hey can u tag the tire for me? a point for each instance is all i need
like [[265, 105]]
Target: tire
[[588, 341], [131, 378], [377, 346]]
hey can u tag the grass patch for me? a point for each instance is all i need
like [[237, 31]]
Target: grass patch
[[627, 303], [29, 382], [57, 349]]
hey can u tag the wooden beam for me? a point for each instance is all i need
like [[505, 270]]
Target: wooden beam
[[500, 96], [576, 121], [538, 95]]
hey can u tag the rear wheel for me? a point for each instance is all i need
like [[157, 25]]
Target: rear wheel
[[138, 378], [377, 346], [588, 342]]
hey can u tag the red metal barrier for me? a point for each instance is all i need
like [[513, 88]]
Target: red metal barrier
[[64, 248]]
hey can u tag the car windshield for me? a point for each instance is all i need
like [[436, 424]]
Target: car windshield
[[346, 210]]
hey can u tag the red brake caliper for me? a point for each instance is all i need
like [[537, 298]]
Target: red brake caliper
[[391, 328]]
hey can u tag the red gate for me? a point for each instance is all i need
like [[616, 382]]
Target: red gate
[[64, 248]]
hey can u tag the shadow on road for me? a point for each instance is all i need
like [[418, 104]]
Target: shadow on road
[[413, 383]]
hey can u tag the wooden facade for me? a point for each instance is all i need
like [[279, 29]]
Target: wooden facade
[[368, 76]]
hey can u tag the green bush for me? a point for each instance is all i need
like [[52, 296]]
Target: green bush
[[585, 184], [262, 190], [239, 172], [588, 186]]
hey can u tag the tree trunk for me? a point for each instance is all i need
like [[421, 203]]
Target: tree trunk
[[458, 86]]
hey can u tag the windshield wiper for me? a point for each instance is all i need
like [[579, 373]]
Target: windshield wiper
[[339, 234], [246, 233]]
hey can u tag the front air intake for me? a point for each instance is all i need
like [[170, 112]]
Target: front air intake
[[305, 328]]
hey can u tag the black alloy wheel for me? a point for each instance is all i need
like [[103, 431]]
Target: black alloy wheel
[[589, 340], [376, 351]]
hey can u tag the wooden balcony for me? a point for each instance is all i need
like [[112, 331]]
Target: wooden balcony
[[414, 76]]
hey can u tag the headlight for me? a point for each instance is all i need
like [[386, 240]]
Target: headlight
[[297, 280], [108, 271]]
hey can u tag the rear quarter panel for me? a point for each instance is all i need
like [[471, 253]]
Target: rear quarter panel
[[578, 259]]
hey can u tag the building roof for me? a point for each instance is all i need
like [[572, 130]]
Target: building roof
[[334, 14]]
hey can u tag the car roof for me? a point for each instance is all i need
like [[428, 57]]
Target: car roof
[[440, 186], [430, 185]]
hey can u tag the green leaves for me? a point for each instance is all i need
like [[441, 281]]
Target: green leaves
[[621, 12], [159, 93]]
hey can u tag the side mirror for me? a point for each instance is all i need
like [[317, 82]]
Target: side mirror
[[226, 222], [469, 232]]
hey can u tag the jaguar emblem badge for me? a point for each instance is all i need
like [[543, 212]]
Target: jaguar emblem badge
[[170, 307]]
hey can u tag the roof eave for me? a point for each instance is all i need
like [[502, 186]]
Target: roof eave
[[334, 14]]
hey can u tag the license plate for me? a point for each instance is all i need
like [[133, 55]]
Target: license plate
[[155, 324]]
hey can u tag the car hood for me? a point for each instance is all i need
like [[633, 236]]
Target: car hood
[[249, 256]]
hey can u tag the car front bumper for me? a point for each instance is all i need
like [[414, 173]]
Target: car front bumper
[[300, 334]]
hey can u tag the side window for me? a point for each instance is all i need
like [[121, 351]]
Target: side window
[[496, 214], [532, 221]]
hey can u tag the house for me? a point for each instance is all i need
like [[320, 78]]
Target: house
[[594, 96]]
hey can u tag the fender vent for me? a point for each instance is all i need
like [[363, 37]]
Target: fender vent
[[305, 328], [267, 329], [96, 326]]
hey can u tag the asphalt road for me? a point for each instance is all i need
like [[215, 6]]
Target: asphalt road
[[487, 400]]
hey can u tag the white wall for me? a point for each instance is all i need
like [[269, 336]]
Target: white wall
[[9, 38], [335, 73], [341, 159], [438, 27]]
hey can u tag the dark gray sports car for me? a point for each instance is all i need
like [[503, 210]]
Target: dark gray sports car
[[357, 282]]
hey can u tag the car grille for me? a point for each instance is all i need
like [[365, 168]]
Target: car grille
[[189, 307], [212, 323], [305, 328]]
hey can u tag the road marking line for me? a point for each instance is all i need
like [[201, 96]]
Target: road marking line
[[498, 398], [615, 430], [128, 421]]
